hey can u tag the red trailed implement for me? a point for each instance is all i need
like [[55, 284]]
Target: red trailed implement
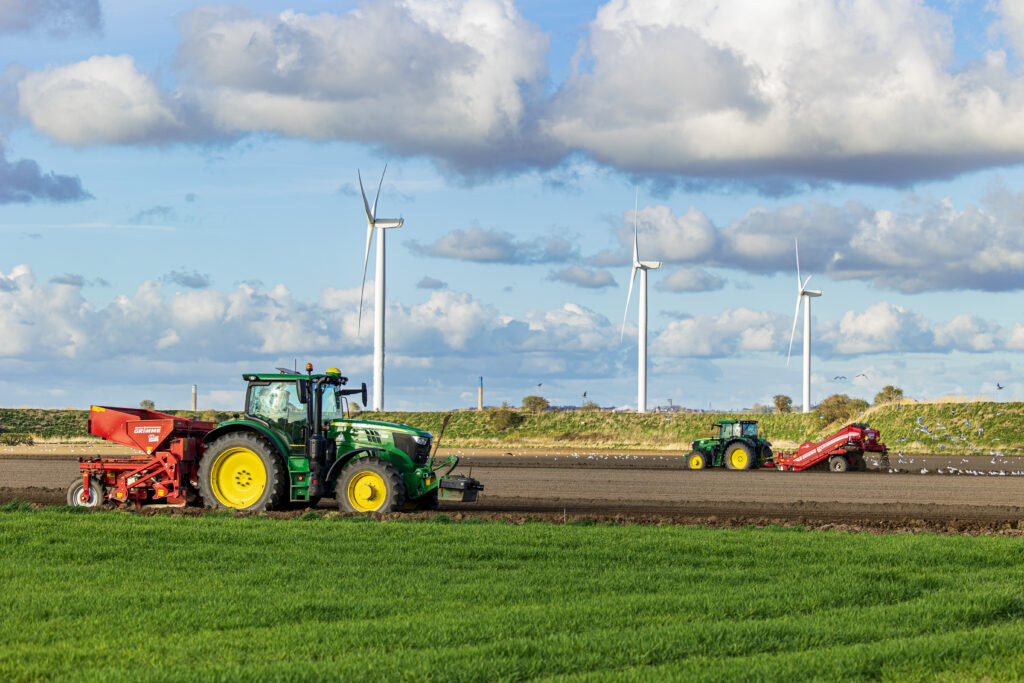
[[844, 450], [170, 448]]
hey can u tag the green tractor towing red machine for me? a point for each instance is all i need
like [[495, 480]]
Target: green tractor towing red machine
[[737, 445], [292, 446], [734, 444]]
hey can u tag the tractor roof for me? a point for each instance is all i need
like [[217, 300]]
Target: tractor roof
[[732, 422], [278, 376]]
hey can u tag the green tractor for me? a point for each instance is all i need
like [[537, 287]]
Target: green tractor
[[294, 444], [733, 443]]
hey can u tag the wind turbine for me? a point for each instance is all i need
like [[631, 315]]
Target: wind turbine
[[381, 224], [806, 294], [643, 267]]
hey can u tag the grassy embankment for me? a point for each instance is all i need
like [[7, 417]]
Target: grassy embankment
[[113, 596], [1001, 425], [952, 427]]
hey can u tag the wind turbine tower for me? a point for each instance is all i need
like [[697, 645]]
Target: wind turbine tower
[[643, 267], [806, 294], [373, 223]]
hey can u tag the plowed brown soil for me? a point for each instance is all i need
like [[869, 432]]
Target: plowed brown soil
[[655, 489]]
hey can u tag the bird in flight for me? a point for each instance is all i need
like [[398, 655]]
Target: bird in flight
[[840, 377], [540, 384], [584, 394], [998, 385], [861, 374]]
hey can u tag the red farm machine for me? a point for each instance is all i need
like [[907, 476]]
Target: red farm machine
[[172, 446], [844, 450], [292, 445]]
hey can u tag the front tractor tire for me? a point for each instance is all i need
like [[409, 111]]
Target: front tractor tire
[[739, 456], [370, 485], [243, 472], [696, 461], [94, 498]]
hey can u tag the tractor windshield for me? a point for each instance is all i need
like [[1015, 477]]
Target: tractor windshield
[[331, 406], [750, 429]]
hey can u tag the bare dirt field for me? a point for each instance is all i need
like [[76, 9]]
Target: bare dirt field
[[933, 493]]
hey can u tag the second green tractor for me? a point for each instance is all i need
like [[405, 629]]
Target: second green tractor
[[734, 444]]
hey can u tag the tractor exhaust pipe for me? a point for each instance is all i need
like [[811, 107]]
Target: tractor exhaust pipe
[[317, 446]]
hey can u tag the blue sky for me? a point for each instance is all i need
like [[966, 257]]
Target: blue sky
[[178, 197]]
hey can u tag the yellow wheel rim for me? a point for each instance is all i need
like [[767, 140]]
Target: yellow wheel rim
[[695, 462], [238, 477], [739, 459], [366, 491]]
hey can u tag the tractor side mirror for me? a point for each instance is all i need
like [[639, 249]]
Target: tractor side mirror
[[363, 395], [303, 390]]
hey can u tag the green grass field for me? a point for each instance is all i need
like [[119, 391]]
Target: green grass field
[[114, 596]]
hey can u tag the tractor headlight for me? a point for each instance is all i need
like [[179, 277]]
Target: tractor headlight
[[421, 440]]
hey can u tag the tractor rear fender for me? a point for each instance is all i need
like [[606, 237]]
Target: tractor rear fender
[[246, 426]]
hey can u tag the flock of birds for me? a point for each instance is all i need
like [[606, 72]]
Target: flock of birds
[[938, 432]]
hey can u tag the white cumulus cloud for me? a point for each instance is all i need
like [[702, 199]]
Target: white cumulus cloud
[[102, 100], [855, 91]]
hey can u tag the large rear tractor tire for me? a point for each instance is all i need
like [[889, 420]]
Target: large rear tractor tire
[[370, 485], [243, 472], [696, 461], [739, 456], [94, 499], [838, 463]]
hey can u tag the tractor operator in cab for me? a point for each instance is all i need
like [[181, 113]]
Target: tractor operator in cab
[[276, 403]]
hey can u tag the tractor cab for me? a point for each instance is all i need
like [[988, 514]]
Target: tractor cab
[[727, 429], [295, 407]]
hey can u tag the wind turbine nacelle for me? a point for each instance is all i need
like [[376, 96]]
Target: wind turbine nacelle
[[649, 265], [385, 223], [811, 292]]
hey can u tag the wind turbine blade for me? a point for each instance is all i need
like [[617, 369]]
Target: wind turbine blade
[[632, 279], [804, 286], [362, 286], [378, 191], [792, 335], [366, 204], [797, 245], [636, 211]]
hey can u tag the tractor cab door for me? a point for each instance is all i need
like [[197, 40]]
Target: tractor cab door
[[277, 404]]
